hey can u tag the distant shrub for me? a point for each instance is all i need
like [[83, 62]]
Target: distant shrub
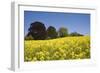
[[29, 37], [76, 34]]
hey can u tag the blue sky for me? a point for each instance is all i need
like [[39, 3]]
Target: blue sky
[[74, 22]]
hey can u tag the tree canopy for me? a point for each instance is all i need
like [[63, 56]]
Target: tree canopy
[[63, 32], [51, 32], [38, 31]]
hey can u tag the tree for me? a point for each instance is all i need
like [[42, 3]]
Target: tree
[[76, 34], [51, 32], [63, 32], [37, 30]]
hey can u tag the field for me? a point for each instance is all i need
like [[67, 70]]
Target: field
[[66, 48]]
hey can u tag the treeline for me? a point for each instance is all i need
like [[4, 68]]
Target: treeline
[[38, 31]]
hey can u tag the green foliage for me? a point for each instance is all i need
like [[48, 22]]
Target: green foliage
[[37, 30], [75, 34], [66, 48], [29, 37], [51, 32], [63, 32]]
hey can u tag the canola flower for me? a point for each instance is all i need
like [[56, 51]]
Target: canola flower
[[57, 49]]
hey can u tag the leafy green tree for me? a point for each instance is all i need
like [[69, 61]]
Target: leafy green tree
[[51, 32], [63, 32], [37, 30]]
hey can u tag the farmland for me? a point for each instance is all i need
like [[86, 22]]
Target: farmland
[[66, 48]]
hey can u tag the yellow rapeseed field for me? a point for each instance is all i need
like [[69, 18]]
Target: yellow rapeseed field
[[66, 48]]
